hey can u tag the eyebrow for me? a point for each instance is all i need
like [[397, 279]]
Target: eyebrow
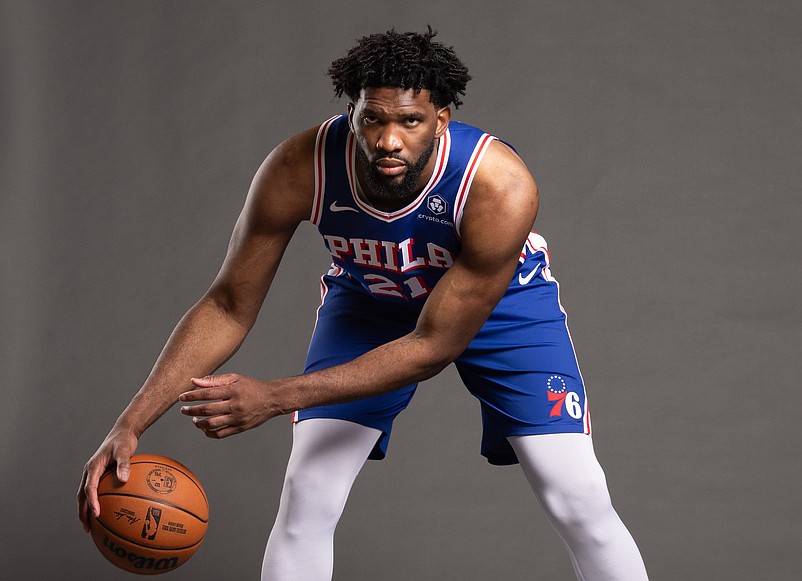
[[376, 111]]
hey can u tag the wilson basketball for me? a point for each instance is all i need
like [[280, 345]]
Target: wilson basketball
[[154, 522]]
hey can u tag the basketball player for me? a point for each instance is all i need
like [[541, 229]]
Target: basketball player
[[428, 222]]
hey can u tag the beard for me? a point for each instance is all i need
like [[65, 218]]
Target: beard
[[386, 190]]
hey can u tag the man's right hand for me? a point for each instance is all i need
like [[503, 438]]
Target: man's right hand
[[116, 449], [281, 197]]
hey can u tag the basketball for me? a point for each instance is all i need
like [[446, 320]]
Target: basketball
[[154, 522]]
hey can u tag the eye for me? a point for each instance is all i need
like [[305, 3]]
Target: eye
[[369, 119], [412, 121]]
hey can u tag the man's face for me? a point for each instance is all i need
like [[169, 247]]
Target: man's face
[[396, 131]]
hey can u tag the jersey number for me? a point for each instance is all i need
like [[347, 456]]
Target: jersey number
[[384, 287]]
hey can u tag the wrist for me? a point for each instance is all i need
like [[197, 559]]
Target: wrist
[[282, 396]]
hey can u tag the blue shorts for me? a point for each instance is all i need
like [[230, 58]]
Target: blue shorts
[[520, 366]]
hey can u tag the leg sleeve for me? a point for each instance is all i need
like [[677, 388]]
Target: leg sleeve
[[569, 483], [326, 457]]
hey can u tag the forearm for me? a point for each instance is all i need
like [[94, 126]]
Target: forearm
[[235, 403], [205, 338], [408, 360], [450, 319]]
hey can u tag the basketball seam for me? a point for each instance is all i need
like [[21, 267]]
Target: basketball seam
[[157, 501], [138, 544]]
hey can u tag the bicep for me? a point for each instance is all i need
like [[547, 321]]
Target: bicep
[[279, 199], [498, 217], [462, 301]]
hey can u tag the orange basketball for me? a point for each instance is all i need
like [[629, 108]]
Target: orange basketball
[[154, 522]]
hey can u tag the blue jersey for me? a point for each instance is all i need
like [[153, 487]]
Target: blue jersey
[[521, 364], [395, 256]]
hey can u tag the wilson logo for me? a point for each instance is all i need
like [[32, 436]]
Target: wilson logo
[[138, 561]]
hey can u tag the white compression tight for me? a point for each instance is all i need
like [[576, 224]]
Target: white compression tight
[[569, 483], [326, 457], [562, 470]]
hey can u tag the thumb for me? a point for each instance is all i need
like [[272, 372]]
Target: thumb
[[215, 380], [121, 454], [123, 468]]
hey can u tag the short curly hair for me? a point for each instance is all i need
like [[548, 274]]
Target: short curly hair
[[405, 60]]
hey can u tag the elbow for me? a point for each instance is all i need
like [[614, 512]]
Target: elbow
[[436, 365], [226, 305], [450, 354], [438, 354]]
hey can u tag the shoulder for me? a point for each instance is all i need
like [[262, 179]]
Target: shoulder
[[501, 169], [293, 157], [503, 181], [503, 200], [284, 184]]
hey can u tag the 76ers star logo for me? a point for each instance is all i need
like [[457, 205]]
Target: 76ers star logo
[[559, 394]]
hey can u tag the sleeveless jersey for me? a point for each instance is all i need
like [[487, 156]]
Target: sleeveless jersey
[[521, 364], [394, 256]]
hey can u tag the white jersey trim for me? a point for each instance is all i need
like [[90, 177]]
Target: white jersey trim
[[536, 243], [334, 270], [320, 170], [467, 178]]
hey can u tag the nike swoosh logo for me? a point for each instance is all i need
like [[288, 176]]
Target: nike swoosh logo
[[525, 279], [335, 208]]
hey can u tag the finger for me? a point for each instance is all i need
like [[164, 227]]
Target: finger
[[204, 394], [207, 409], [223, 432], [212, 423], [90, 488], [83, 514], [82, 504], [215, 380]]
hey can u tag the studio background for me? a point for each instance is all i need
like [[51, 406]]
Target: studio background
[[665, 139]]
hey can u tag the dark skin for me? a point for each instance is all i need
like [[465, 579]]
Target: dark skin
[[498, 216]]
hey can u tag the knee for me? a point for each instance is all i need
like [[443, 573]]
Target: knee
[[582, 503], [312, 497]]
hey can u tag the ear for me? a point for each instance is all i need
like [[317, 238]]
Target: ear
[[443, 117], [351, 109]]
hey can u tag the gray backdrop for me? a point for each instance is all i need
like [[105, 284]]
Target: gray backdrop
[[665, 138]]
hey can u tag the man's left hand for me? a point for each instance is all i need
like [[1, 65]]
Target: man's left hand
[[234, 403]]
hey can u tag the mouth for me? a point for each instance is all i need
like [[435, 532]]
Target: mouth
[[390, 167]]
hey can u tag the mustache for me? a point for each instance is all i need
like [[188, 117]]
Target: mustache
[[389, 155]]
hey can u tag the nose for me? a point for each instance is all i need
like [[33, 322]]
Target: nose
[[389, 139]]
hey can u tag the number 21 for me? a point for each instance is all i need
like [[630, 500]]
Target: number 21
[[383, 286]]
